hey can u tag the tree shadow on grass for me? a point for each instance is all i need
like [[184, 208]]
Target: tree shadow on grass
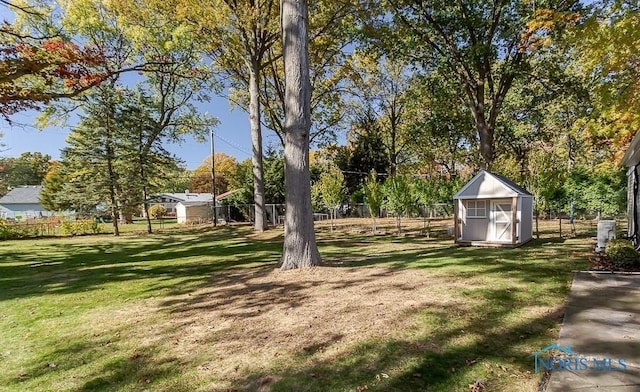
[[181, 264], [99, 364], [188, 259], [177, 262], [540, 259], [442, 360]]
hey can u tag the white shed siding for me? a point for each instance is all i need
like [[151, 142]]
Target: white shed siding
[[526, 220], [519, 220], [474, 229]]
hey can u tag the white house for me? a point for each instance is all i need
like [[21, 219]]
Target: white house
[[23, 202], [170, 200], [492, 210]]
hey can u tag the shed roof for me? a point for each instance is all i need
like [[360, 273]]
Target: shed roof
[[27, 194], [490, 185]]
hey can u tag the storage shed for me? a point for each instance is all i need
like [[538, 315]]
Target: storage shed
[[491, 210], [194, 211]]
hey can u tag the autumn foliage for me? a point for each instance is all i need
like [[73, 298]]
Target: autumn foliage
[[32, 73]]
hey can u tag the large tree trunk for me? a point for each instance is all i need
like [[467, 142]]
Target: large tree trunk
[[300, 249], [145, 196], [112, 191], [113, 198], [145, 209], [484, 125], [260, 221], [485, 132]]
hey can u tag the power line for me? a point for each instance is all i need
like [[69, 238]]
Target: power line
[[232, 144], [363, 173]]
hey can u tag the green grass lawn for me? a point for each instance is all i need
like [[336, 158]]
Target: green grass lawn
[[204, 309]]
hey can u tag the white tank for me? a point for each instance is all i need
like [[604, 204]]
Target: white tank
[[606, 232]]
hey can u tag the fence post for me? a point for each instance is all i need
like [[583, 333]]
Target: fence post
[[560, 220]]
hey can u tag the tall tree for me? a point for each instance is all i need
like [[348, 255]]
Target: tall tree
[[373, 196], [331, 189], [441, 129], [29, 168], [381, 86], [90, 158], [484, 45], [331, 31], [226, 169], [606, 50], [153, 121], [398, 197], [365, 151], [141, 37], [300, 249], [243, 30], [274, 182], [53, 186]]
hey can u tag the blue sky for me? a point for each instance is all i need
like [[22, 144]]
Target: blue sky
[[232, 134], [232, 138]]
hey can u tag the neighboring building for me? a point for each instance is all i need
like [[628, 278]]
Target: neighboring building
[[492, 210], [194, 211], [23, 202], [170, 200], [631, 160]]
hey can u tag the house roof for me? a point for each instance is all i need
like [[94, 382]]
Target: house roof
[[195, 203], [227, 194], [195, 197], [28, 194], [632, 156], [490, 185], [201, 197]]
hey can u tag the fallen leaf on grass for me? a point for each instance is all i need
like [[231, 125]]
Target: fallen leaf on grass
[[477, 386]]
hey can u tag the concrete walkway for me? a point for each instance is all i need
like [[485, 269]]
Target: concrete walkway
[[602, 320]]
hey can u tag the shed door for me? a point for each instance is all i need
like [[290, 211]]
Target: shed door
[[501, 218]]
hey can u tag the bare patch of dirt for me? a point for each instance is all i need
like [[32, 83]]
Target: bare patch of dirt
[[243, 320]]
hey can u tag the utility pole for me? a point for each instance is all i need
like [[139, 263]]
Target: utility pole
[[213, 182]]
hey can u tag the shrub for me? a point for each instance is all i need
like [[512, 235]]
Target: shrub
[[79, 227], [621, 252], [157, 211], [11, 230]]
